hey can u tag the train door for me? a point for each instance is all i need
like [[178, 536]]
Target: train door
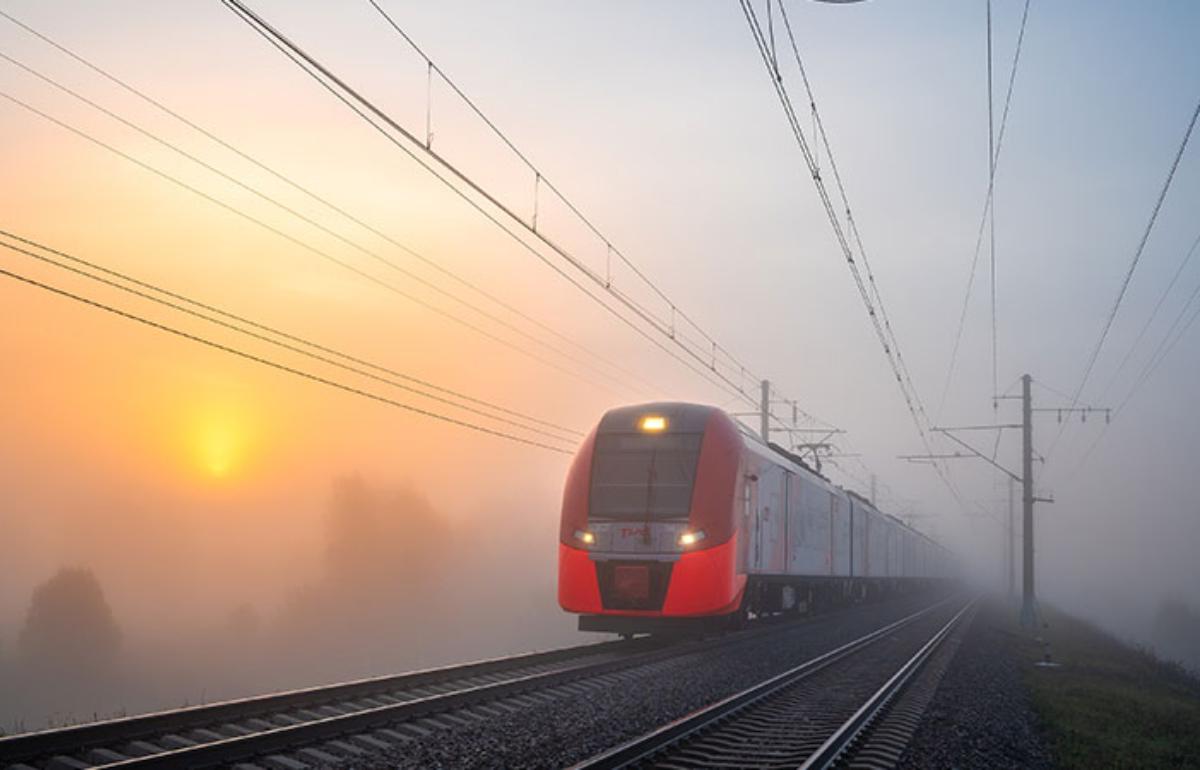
[[833, 501], [789, 480], [770, 516], [750, 518], [796, 529]]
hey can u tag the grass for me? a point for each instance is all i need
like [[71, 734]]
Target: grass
[[1110, 705]]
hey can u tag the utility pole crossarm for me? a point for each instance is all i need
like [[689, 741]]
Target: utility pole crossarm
[[946, 432], [977, 427], [949, 456]]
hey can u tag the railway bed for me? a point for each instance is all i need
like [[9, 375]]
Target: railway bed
[[211, 734], [329, 725], [854, 706]]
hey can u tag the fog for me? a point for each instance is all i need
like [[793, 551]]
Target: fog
[[217, 529], [384, 581]]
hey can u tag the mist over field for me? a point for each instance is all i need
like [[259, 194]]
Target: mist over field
[[373, 580]]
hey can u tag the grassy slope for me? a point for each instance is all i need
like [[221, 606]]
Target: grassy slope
[[1110, 705]]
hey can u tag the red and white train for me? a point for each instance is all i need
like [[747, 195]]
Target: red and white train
[[674, 515]]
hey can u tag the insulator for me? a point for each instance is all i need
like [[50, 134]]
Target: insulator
[[1060, 415]]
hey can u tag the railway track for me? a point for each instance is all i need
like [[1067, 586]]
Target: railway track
[[855, 706], [327, 725], [218, 733]]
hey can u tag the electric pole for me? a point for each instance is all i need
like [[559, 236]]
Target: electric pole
[[1027, 597], [1012, 567], [1025, 479], [765, 414]]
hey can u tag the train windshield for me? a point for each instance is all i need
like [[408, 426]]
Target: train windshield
[[641, 476]]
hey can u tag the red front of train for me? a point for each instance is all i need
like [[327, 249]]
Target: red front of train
[[649, 525]]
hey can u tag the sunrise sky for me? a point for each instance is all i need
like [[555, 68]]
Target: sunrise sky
[[659, 122]]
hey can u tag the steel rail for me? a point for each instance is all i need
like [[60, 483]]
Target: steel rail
[[290, 738], [42, 747], [836, 746], [76, 738], [293, 737], [647, 746]]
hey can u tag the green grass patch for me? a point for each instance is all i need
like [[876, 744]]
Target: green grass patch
[[1110, 705]]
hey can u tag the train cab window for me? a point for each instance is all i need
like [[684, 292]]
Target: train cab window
[[638, 476]]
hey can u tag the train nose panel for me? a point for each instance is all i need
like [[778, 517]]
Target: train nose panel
[[633, 585], [631, 582]]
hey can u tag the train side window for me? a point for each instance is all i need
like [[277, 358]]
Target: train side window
[[749, 481]]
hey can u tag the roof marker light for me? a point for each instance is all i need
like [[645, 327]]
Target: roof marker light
[[653, 423]]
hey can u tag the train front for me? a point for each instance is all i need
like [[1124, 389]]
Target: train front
[[648, 540]]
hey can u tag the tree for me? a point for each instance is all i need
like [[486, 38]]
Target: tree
[[69, 626]]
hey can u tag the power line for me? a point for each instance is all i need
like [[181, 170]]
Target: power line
[[1165, 346], [987, 214], [1137, 255], [1153, 314], [236, 319], [279, 366], [706, 356], [316, 197], [299, 242], [540, 177], [852, 223], [911, 398], [992, 186], [309, 220], [366, 109]]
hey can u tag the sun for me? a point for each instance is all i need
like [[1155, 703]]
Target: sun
[[219, 442]]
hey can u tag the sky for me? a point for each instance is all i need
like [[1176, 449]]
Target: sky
[[172, 468]]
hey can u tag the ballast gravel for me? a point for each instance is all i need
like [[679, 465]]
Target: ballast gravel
[[981, 716], [573, 727]]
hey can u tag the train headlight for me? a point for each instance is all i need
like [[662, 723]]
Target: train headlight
[[587, 538], [691, 538], [653, 423]]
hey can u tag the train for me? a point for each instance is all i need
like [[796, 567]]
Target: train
[[676, 517]]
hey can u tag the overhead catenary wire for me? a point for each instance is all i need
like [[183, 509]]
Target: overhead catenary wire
[[366, 110], [986, 216], [1166, 345], [851, 222], [291, 211], [301, 243], [1187, 258], [910, 396], [308, 192], [696, 360], [542, 180], [1137, 256], [540, 177], [280, 366], [310, 349], [992, 187], [1174, 334]]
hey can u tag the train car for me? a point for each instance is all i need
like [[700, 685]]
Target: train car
[[675, 516]]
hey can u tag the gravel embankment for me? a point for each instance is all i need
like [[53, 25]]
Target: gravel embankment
[[570, 729], [981, 716]]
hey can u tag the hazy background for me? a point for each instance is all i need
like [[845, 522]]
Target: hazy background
[[247, 530]]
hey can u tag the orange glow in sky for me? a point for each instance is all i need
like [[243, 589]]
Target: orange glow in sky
[[219, 441]]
